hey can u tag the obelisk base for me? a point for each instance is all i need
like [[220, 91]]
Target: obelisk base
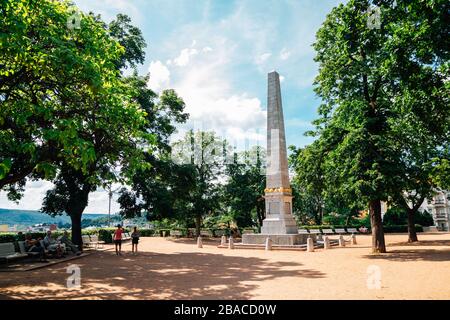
[[277, 239], [279, 224]]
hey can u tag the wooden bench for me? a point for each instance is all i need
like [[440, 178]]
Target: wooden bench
[[176, 233], [340, 231], [23, 251], [352, 230], [94, 240], [87, 241], [220, 232], [328, 231], [303, 231], [206, 233], [315, 231], [8, 252], [125, 236]]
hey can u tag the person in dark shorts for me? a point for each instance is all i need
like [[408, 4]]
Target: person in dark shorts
[[32, 245], [118, 239], [134, 240]]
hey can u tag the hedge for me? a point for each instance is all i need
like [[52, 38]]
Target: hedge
[[8, 237], [105, 234], [401, 228]]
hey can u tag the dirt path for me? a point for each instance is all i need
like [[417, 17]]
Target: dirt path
[[177, 269]]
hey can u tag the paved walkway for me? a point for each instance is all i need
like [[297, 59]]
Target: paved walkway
[[176, 269]]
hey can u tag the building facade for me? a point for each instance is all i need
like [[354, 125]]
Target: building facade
[[439, 207]]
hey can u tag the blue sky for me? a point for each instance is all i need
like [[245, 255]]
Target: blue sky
[[216, 54]]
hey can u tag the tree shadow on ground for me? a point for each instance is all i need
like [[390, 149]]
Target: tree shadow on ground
[[191, 241], [423, 243], [154, 276], [412, 255]]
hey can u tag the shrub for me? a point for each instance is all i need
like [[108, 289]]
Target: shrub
[[105, 234], [7, 237], [163, 232], [424, 219], [400, 228], [147, 232], [216, 231]]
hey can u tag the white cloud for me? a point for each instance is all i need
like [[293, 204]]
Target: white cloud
[[185, 56], [214, 105], [282, 78], [206, 49], [285, 54], [159, 76], [262, 58], [35, 192]]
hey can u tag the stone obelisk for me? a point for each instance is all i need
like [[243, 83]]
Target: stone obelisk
[[278, 193], [279, 224]]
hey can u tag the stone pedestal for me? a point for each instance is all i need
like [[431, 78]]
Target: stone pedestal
[[277, 239]]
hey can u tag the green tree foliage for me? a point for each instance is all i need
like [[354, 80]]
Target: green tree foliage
[[116, 153], [49, 77], [308, 183], [399, 216], [244, 189], [205, 153], [372, 82], [182, 184]]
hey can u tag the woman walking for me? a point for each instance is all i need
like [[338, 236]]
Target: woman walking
[[118, 239], [135, 240]]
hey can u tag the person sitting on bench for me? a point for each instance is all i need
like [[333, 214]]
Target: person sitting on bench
[[32, 245], [65, 239], [52, 245]]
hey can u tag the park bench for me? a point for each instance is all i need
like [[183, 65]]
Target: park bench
[[315, 231], [8, 252], [328, 231], [23, 251], [87, 241], [97, 243], [352, 230], [206, 233], [220, 232], [303, 231], [125, 236], [176, 233], [340, 231]]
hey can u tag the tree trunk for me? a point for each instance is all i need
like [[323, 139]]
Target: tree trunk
[[412, 235], [378, 244], [198, 220], [347, 220], [76, 229]]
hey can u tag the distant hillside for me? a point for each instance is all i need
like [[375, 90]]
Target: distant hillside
[[30, 217]]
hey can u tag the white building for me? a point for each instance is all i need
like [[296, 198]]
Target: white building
[[439, 207]]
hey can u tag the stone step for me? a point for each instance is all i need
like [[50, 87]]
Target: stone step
[[274, 247]]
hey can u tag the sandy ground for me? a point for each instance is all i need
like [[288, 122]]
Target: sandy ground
[[176, 269]]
